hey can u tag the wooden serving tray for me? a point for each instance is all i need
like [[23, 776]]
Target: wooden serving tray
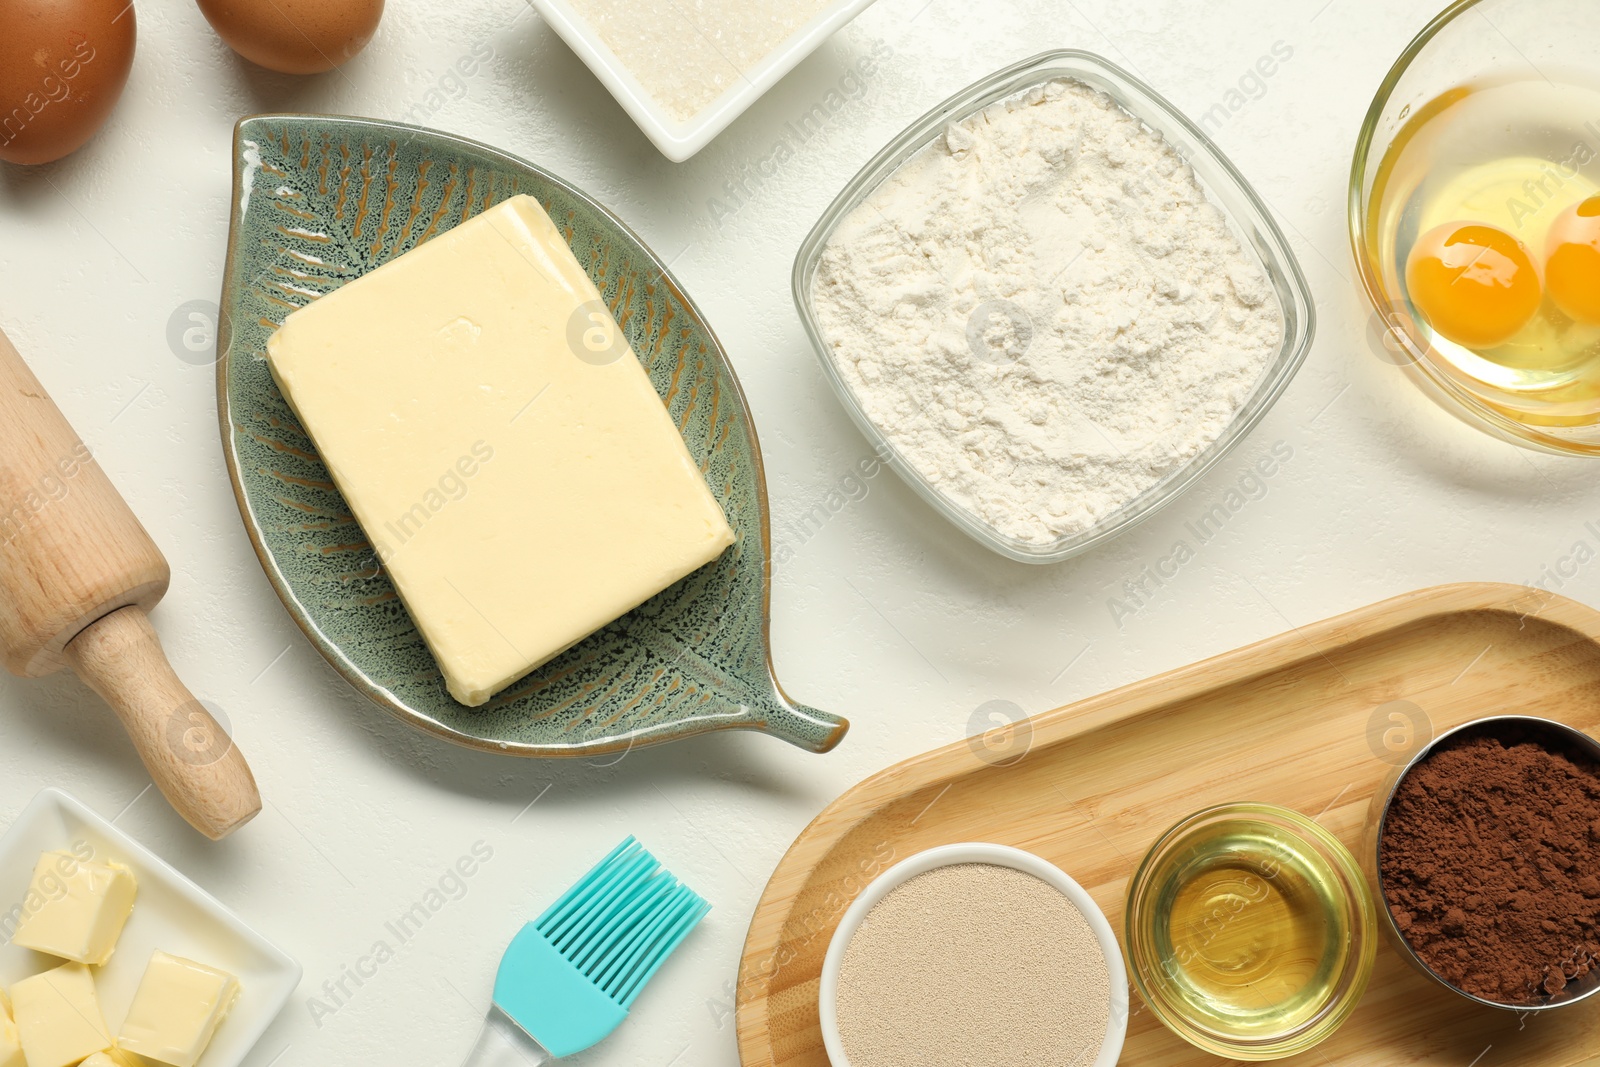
[[1312, 720]]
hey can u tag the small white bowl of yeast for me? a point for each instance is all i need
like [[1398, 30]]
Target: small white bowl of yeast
[[978, 954], [683, 70]]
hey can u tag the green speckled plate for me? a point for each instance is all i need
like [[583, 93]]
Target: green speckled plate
[[318, 200]]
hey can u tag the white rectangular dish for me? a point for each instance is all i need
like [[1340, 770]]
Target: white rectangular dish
[[170, 913], [677, 135]]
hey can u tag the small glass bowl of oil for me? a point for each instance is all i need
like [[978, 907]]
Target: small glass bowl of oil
[[1475, 217], [1250, 932]]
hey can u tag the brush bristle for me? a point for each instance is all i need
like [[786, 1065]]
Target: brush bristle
[[622, 920]]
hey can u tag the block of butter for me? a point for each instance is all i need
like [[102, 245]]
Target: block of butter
[[58, 1017], [10, 1043], [76, 909], [499, 443], [176, 1010]]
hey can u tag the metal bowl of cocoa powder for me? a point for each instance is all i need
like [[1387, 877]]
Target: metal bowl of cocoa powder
[[1485, 852]]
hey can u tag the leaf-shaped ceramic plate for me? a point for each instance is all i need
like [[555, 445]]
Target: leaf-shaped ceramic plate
[[319, 200]]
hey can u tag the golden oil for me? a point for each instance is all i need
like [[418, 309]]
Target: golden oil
[[1255, 935], [1513, 153]]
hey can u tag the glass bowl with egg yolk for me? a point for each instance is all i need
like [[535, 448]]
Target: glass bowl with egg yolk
[[1475, 218]]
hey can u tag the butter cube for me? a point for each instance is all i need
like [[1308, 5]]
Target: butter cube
[[10, 1044], [109, 1058], [58, 1017], [499, 443], [76, 909], [176, 1010]]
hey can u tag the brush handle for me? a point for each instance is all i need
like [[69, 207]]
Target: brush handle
[[505, 1044]]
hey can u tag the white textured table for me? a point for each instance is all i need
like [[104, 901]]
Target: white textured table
[[883, 613]]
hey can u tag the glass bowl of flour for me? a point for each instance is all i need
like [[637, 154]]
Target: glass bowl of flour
[[1051, 305]]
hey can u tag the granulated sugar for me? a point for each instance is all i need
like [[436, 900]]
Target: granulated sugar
[[973, 965], [1043, 313], [686, 53]]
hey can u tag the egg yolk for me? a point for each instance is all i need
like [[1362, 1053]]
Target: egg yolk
[[1475, 284], [1573, 269]]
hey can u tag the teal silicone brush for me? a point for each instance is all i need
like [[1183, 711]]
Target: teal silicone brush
[[570, 976]]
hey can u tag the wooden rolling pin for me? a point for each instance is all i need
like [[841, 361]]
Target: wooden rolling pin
[[78, 572]]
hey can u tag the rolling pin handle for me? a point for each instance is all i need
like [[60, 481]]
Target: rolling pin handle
[[190, 756]]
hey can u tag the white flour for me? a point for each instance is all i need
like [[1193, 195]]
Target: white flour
[[1042, 312], [686, 53]]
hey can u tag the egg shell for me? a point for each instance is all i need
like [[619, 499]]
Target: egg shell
[[63, 65], [294, 36]]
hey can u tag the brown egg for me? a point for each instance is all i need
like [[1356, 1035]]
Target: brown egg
[[294, 36], [63, 64]]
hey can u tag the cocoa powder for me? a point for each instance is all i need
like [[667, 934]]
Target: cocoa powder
[[1490, 862]]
